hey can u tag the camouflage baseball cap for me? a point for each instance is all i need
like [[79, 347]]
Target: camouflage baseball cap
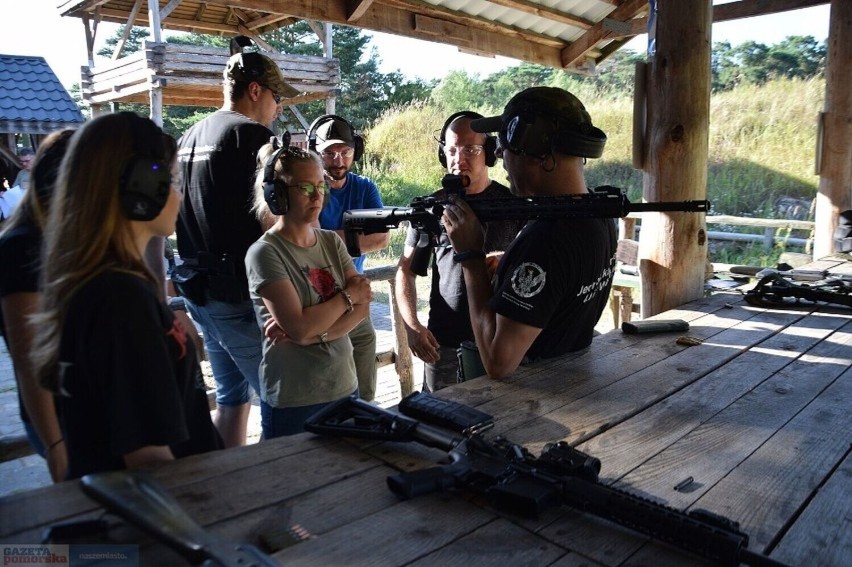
[[257, 67], [574, 132]]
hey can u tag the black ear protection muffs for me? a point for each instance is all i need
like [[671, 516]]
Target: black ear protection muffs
[[535, 133], [490, 146], [145, 184], [250, 62], [356, 136], [274, 190]]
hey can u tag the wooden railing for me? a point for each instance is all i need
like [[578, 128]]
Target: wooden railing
[[400, 356]]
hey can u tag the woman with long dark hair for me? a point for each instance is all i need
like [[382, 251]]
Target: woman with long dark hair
[[127, 378]]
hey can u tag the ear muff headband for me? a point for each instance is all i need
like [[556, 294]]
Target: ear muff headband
[[490, 146], [274, 190], [252, 66], [356, 136], [145, 184], [534, 133]]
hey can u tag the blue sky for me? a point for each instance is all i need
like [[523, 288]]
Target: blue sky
[[34, 27]]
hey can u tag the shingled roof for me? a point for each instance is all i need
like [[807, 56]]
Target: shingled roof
[[32, 100]]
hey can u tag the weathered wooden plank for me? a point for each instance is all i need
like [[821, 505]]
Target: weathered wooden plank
[[498, 542], [425, 524], [822, 530], [590, 413], [637, 440], [802, 454]]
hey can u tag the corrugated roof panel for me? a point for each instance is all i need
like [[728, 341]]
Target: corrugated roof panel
[[32, 100], [592, 10]]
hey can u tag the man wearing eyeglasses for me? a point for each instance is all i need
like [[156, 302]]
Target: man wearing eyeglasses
[[463, 152], [336, 143], [553, 282], [218, 159]]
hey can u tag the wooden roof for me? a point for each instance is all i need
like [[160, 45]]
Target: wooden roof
[[569, 34]]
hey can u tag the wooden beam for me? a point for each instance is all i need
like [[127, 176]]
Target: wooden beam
[[356, 9], [545, 12], [119, 47], [600, 31], [750, 8], [673, 246], [836, 164], [169, 8]]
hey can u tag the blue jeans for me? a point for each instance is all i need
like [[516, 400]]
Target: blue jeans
[[34, 440], [234, 347], [278, 422]]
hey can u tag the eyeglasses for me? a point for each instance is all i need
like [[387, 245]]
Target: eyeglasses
[[309, 190], [275, 96], [471, 150], [346, 154]]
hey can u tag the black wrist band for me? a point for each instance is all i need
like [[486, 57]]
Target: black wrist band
[[177, 303], [459, 257]]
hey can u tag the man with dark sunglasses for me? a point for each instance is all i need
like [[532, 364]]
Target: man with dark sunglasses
[[218, 160], [553, 282]]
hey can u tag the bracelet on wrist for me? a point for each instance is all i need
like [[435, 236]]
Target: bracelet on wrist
[[56, 443], [460, 257], [348, 299]]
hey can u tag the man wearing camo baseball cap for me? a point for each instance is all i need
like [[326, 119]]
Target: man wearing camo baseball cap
[[553, 282], [218, 159]]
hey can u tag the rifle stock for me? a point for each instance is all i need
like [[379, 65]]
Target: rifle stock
[[515, 481], [142, 501]]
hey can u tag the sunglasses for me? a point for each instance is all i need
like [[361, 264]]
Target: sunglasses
[[275, 96], [309, 189]]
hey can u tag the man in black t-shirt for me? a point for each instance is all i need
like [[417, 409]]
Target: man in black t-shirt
[[463, 152], [216, 226], [553, 282]]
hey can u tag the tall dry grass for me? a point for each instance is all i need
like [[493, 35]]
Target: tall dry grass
[[761, 147]]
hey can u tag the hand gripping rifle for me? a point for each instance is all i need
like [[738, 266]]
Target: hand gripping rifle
[[424, 213], [515, 481]]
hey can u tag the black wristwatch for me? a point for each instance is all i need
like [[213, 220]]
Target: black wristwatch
[[460, 257]]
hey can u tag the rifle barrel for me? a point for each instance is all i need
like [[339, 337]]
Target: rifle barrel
[[670, 206]]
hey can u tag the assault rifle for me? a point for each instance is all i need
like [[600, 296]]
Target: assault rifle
[[515, 481], [143, 502], [424, 213], [774, 290]]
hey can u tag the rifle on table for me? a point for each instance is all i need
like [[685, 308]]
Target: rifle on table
[[142, 501], [776, 290], [424, 213], [515, 481]]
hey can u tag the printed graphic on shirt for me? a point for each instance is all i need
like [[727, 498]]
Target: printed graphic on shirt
[[528, 279], [322, 281], [590, 290], [178, 333]]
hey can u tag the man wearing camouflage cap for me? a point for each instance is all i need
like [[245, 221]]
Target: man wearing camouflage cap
[[553, 282], [217, 158]]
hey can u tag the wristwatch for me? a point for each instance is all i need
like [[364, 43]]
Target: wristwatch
[[460, 257]]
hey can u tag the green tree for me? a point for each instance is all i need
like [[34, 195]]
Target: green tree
[[132, 45]]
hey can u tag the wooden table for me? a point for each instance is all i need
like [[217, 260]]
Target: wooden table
[[758, 415]]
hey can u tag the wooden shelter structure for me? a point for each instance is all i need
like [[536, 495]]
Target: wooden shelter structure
[[672, 117]]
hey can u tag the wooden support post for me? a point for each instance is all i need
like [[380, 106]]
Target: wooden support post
[[673, 245], [835, 165], [404, 364]]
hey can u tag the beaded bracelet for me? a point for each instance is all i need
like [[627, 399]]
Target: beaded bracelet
[[348, 299]]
